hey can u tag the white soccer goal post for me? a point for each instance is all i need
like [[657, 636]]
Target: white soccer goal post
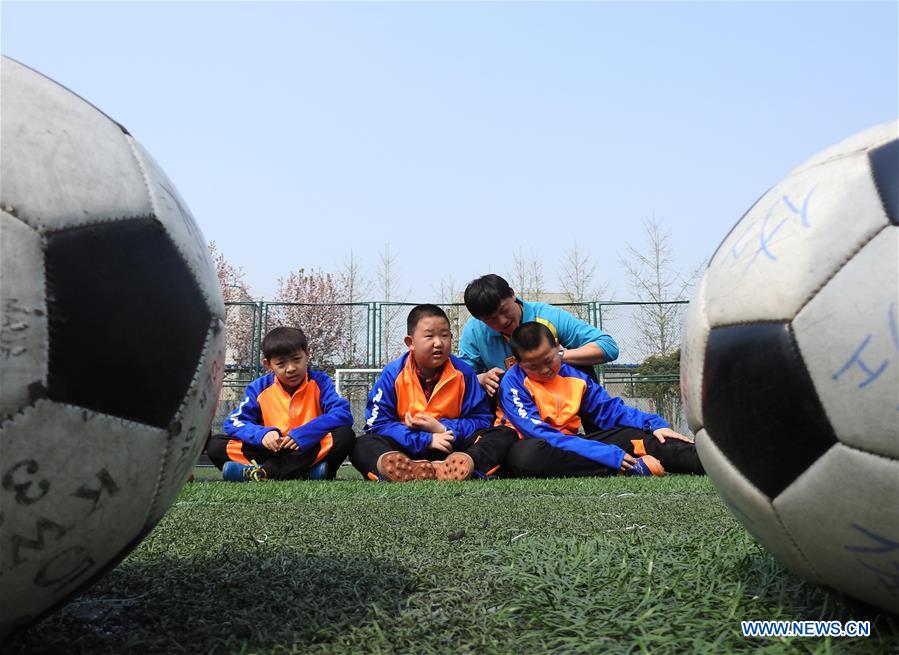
[[354, 385]]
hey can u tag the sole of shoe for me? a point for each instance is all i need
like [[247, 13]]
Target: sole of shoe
[[457, 466], [397, 467]]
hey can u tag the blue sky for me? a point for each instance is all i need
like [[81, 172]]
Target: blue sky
[[462, 132]]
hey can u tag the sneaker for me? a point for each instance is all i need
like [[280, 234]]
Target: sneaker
[[457, 466], [319, 471], [397, 467], [647, 465], [237, 472]]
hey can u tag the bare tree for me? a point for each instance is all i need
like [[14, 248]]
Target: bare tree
[[537, 283], [526, 275], [241, 313], [354, 289], [518, 274], [653, 278], [576, 280], [313, 307], [449, 294], [388, 276], [448, 290]]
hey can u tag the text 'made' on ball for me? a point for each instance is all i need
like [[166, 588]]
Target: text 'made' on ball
[[790, 368], [111, 344]]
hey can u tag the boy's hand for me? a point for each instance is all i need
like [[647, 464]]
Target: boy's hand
[[442, 441], [272, 440], [490, 380], [661, 433], [287, 443], [425, 422], [627, 463]]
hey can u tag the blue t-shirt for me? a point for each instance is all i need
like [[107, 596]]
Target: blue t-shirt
[[484, 348]]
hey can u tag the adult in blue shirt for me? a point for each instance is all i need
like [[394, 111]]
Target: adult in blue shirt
[[496, 312]]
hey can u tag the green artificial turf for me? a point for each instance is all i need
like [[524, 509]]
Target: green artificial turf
[[616, 565]]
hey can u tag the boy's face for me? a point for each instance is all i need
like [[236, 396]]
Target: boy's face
[[506, 318], [543, 363], [431, 342], [289, 369]]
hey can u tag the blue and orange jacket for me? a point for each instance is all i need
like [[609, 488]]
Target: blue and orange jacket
[[307, 416], [457, 401], [550, 411]]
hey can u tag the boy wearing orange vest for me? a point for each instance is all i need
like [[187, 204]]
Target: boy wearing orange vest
[[427, 417], [545, 400], [291, 423]]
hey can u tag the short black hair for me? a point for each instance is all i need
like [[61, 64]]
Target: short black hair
[[284, 341], [483, 296], [423, 311], [528, 336]]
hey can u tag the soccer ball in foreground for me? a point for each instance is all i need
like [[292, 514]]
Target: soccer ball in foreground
[[111, 344], [790, 368]]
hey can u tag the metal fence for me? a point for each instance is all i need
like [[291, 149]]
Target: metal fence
[[368, 335]]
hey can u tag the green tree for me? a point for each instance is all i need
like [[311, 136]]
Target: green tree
[[657, 378]]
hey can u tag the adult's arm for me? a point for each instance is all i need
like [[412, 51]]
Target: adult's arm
[[587, 355], [469, 349], [584, 344]]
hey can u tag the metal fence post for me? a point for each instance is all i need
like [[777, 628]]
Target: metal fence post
[[379, 332], [257, 350], [373, 335]]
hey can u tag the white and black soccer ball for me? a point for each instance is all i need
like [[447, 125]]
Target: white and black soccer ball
[[111, 344], [790, 368]]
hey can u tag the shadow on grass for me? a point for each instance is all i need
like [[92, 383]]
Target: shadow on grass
[[226, 603]]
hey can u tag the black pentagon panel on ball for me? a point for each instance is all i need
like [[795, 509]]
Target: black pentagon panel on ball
[[760, 406], [127, 321], [885, 169]]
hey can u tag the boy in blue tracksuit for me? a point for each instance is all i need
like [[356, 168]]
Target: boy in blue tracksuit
[[543, 399], [290, 424], [427, 417]]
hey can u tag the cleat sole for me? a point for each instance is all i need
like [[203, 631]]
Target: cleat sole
[[457, 467], [397, 467]]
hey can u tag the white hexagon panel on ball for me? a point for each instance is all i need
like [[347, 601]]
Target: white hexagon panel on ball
[[849, 338], [788, 245], [842, 515]]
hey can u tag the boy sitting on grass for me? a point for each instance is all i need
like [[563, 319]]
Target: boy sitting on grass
[[291, 423], [428, 405], [542, 398]]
